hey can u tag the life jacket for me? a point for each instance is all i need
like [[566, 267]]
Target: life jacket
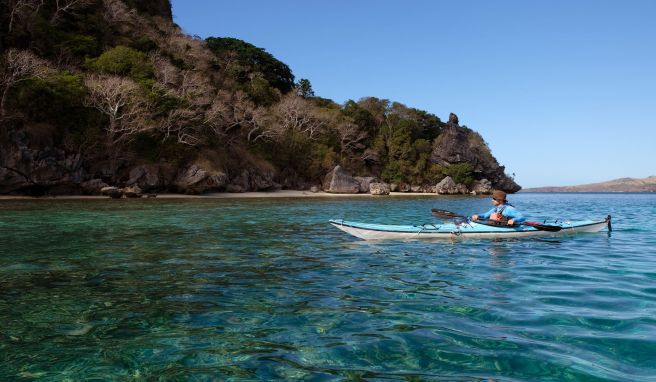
[[498, 215]]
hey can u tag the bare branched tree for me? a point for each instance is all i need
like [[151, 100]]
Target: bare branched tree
[[119, 99], [20, 8], [20, 65], [232, 110], [195, 88], [116, 12], [350, 136], [166, 73], [184, 123], [68, 7], [295, 114]]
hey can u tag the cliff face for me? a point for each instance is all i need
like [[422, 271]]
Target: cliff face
[[456, 144], [112, 93]]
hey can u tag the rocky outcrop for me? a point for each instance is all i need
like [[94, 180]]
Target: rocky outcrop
[[93, 186], [449, 187], [457, 144], [26, 168], [253, 179], [151, 177], [365, 182], [379, 189], [132, 192], [112, 192], [196, 180], [403, 187], [338, 181], [482, 187]]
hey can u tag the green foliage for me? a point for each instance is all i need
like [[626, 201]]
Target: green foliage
[[55, 99], [261, 92], [123, 60], [144, 44], [251, 59], [323, 158], [394, 172], [460, 173], [361, 117], [304, 88]]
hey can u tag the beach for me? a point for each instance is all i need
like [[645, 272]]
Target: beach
[[228, 195]]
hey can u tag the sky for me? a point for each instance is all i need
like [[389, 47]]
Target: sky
[[563, 92]]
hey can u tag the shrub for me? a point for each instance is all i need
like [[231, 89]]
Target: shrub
[[460, 173], [123, 60]]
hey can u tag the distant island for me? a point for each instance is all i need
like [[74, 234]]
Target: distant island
[[617, 185]]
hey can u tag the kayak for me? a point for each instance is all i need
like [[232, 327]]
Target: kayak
[[465, 229]]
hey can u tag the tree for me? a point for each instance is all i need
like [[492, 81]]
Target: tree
[[119, 99], [19, 8], [233, 110], [350, 136], [253, 59], [123, 60], [304, 88], [294, 114], [20, 65], [68, 7]]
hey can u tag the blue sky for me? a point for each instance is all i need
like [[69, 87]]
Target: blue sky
[[564, 92]]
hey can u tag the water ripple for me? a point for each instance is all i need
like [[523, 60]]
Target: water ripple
[[266, 290]]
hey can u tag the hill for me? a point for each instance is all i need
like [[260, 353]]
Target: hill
[[112, 92], [618, 185]]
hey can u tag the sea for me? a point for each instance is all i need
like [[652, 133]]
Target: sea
[[266, 289]]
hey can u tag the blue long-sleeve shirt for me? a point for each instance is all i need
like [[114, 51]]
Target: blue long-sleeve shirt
[[508, 211]]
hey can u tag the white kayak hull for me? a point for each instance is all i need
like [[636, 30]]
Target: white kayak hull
[[464, 230]]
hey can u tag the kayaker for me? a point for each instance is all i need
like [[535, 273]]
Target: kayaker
[[502, 210]]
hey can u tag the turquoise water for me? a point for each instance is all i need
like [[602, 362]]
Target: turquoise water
[[267, 290]]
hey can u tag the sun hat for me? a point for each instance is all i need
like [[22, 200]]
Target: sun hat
[[499, 195]]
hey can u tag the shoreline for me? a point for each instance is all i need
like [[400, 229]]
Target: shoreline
[[227, 195]]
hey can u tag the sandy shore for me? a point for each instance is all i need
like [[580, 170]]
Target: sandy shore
[[228, 195]]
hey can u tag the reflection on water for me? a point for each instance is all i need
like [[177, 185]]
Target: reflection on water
[[266, 289]]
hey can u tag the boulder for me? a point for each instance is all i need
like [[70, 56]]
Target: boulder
[[365, 182], [338, 181], [416, 189], [195, 180], [482, 187], [149, 177], [93, 186], [394, 187], [449, 187], [234, 188], [446, 186], [132, 192], [404, 187], [314, 189], [379, 189], [112, 192]]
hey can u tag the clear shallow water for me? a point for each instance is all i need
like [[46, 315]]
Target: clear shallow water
[[266, 289]]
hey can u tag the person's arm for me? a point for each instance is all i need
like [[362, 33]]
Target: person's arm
[[514, 215], [485, 215]]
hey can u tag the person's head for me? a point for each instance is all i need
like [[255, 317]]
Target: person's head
[[498, 197]]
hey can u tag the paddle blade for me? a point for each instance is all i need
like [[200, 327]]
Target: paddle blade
[[444, 214]]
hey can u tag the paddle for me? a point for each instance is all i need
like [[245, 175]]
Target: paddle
[[444, 214]]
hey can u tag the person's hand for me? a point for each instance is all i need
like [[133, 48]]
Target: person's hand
[[474, 217], [511, 222]]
